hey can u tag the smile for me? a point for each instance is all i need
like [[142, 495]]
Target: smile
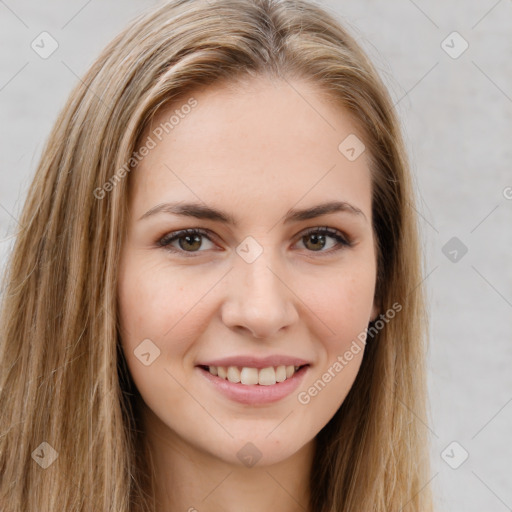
[[253, 376], [269, 390]]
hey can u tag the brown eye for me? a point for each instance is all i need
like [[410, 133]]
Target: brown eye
[[316, 239], [192, 242], [189, 240]]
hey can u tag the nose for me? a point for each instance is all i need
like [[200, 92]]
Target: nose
[[259, 298]]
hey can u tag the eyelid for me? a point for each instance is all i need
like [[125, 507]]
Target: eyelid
[[328, 231], [165, 240], [343, 240]]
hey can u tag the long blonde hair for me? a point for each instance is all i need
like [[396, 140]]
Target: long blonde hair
[[64, 379]]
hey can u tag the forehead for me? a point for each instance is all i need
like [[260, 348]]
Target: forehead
[[251, 144]]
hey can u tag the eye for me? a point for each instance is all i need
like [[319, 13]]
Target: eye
[[190, 240], [316, 237]]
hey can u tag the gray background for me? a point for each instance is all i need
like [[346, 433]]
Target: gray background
[[457, 119]]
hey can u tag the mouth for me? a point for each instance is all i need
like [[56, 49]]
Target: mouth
[[254, 386], [247, 376]]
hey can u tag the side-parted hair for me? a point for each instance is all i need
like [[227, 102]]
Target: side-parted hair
[[64, 380]]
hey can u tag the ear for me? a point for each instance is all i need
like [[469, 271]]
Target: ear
[[375, 311]]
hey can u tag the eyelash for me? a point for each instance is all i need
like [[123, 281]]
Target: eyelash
[[164, 242]]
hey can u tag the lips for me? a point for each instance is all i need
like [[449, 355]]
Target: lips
[[235, 377], [255, 362], [256, 394]]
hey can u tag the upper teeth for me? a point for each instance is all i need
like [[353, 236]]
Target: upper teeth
[[264, 376]]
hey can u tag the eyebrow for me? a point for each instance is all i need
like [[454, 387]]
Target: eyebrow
[[201, 211]]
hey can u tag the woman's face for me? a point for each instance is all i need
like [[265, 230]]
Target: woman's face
[[257, 287]]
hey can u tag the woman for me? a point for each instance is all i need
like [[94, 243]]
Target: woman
[[174, 335]]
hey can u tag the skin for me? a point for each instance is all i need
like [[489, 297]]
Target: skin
[[255, 152]]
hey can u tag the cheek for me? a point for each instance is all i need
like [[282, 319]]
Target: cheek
[[163, 305], [153, 325], [342, 306], [341, 302], [151, 301]]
